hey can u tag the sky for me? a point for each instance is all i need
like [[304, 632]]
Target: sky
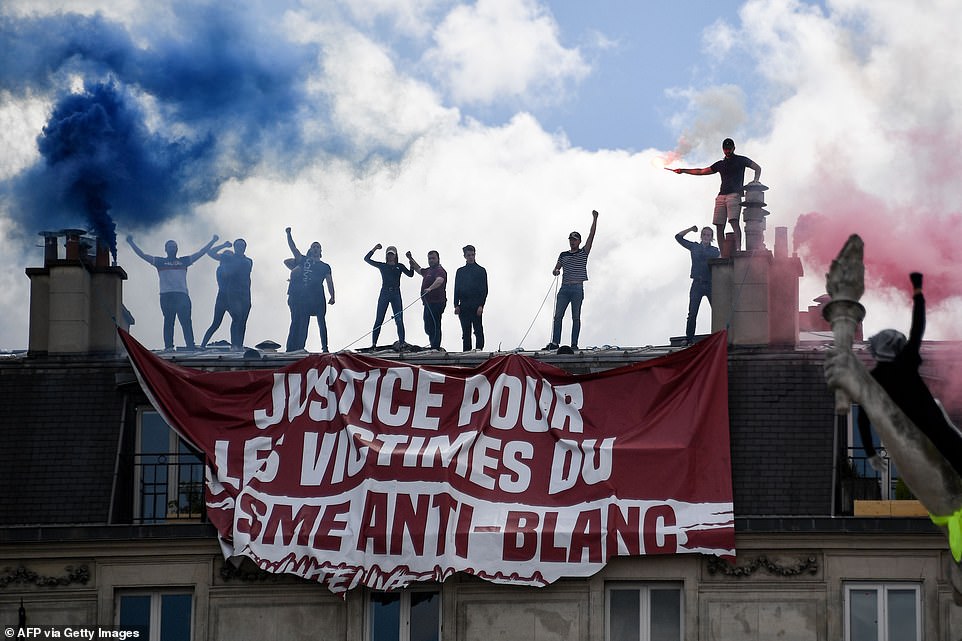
[[431, 124]]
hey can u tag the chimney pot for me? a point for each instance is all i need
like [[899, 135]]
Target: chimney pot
[[781, 242], [49, 247], [103, 255]]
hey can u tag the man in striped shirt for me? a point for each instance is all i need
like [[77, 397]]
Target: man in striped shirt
[[573, 267]]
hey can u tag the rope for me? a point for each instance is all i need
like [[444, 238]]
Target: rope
[[386, 321], [554, 283]]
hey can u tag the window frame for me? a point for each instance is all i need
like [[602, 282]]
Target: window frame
[[177, 449], [404, 620], [887, 478], [882, 589], [644, 610], [156, 595]]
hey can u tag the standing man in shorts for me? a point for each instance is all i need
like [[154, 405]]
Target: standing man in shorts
[[728, 202]]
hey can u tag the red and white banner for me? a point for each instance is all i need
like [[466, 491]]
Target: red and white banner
[[359, 471]]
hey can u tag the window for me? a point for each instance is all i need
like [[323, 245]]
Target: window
[[882, 612], [157, 616], [408, 615], [169, 473], [643, 612]]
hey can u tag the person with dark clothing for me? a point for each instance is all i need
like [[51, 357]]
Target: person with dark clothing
[[239, 292], [294, 296], [470, 294], [728, 203], [174, 299], [305, 293], [433, 294], [701, 253], [897, 371], [572, 265], [233, 291], [390, 293], [221, 254]]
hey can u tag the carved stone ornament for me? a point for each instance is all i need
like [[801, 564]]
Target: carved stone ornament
[[719, 566], [80, 574]]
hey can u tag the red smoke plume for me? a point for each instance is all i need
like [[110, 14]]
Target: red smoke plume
[[897, 241]]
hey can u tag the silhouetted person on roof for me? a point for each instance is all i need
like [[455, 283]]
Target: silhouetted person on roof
[[220, 253], [470, 294], [174, 299], [233, 291], [433, 294], [305, 294], [573, 267], [728, 202], [390, 293], [701, 253]]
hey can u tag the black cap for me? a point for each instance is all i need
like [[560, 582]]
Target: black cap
[[728, 143]]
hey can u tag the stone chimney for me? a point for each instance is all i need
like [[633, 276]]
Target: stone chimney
[[76, 298], [755, 292]]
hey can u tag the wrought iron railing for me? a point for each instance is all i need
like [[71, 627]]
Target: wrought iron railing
[[169, 488], [859, 480]]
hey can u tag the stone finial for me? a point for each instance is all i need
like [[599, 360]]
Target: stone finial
[[845, 283]]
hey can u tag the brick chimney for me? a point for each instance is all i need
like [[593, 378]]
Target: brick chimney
[[755, 292], [76, 298]]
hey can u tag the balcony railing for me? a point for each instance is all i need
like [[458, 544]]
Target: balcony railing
[[170, 488], [859, 481]]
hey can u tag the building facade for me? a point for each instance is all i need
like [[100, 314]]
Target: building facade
[[102, 523]]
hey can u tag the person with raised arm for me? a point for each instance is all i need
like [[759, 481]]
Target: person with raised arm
[[305, 293], [701, 253], [174, 298], [433, 294], [728, 202], [572, 265], [390, 293]]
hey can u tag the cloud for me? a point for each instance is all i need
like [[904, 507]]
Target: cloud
[[409, 17], [862, 139], [711, 115], [322, 122], [375, 106], [503, 49]]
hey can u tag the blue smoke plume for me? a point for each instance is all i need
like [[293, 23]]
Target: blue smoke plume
[[162, 120]]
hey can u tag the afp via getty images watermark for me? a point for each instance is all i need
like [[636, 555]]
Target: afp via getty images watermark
[[84, 632]]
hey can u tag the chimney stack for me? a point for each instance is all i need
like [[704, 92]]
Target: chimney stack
[[76, 300], [755, 292]]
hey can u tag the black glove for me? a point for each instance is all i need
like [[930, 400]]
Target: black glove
[[916, 279]]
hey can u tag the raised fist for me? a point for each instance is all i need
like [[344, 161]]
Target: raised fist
[[916, 278]]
